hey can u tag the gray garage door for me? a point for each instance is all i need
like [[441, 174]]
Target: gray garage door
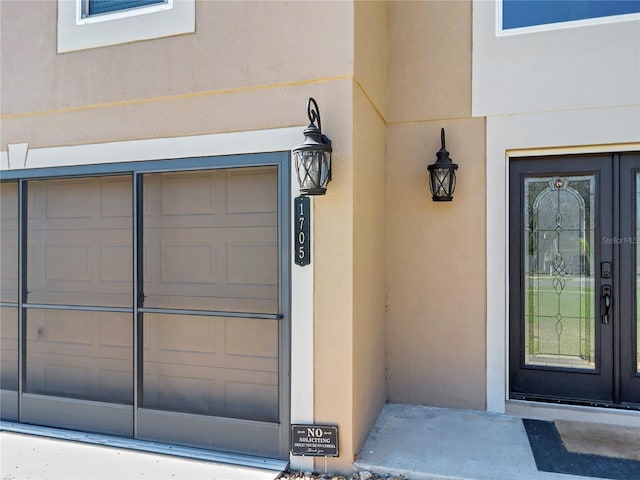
[[155, 304]]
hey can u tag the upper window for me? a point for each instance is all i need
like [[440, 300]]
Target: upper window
[[530, 15], [86, 24], [99, 7]]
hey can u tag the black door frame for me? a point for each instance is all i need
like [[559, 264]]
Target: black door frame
[[629, 377], [612, 384]]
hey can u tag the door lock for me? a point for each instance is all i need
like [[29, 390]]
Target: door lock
[[606, 298]]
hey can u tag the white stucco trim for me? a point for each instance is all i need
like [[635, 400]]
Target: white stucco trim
[[302, 393], [234, 143], [561, 69], [16, 155], [273, 140], [579, 131]]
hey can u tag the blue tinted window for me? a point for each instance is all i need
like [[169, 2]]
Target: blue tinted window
[[97, 7], [527, 13]]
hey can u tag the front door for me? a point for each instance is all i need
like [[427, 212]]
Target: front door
[[573, 279]]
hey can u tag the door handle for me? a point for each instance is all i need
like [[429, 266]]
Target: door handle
[[606, 297]]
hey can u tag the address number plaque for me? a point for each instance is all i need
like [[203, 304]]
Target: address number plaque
[[302, 240]]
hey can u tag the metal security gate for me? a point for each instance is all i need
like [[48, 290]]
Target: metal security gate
[[150, 301]]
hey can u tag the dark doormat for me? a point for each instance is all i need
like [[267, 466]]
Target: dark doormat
[[552, 456]]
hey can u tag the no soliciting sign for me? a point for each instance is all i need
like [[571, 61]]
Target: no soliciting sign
[[315, 440]]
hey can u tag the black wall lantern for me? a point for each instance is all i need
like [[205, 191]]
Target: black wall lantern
[[442, 175], [313, 156]]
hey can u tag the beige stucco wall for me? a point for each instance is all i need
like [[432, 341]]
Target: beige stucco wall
[[386, 76], [333, 290], [369, 289], [430, 60], [435, 251], [371, 52], [224, 77], [369, 191], [435, 261], [248, 66], [349, 326]]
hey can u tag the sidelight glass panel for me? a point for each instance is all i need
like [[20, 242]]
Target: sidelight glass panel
[[79, 249], [9, 242], [211, 240], [637, 242], [81, 355], [220, 366], [9, 348], [558, 278]]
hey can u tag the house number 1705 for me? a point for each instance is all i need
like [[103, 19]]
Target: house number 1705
[[302, 239]]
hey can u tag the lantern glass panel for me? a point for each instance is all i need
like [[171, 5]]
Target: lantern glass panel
[[313, 169], [443, 182]]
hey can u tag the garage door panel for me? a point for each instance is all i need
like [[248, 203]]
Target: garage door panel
[[67, 262], [223, 198], [212, 269], [9, 203], [68, 199], [82, 268], [252, 401], [9, 348], [67, 356], [116, 258], [188, 334], [80, 242], [211, 240], [9, 242], [115, 198], [61, 375], [226, 365], [8, 266], [187, 263], [178, 393], [187, 193], [229, 342], [251, 337], [219, 392], [194, 360], [262, 185], [252, 264]]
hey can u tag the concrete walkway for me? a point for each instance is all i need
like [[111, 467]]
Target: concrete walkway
[[417, 442], [24, 456], [425, 443]]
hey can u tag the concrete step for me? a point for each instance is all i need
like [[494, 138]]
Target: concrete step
[[427, 443]]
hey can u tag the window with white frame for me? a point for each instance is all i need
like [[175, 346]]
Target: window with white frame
[[521, 16], [88, 11], [84, 24]]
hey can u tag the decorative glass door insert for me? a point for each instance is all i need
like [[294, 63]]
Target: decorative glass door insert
[[558, 285]]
